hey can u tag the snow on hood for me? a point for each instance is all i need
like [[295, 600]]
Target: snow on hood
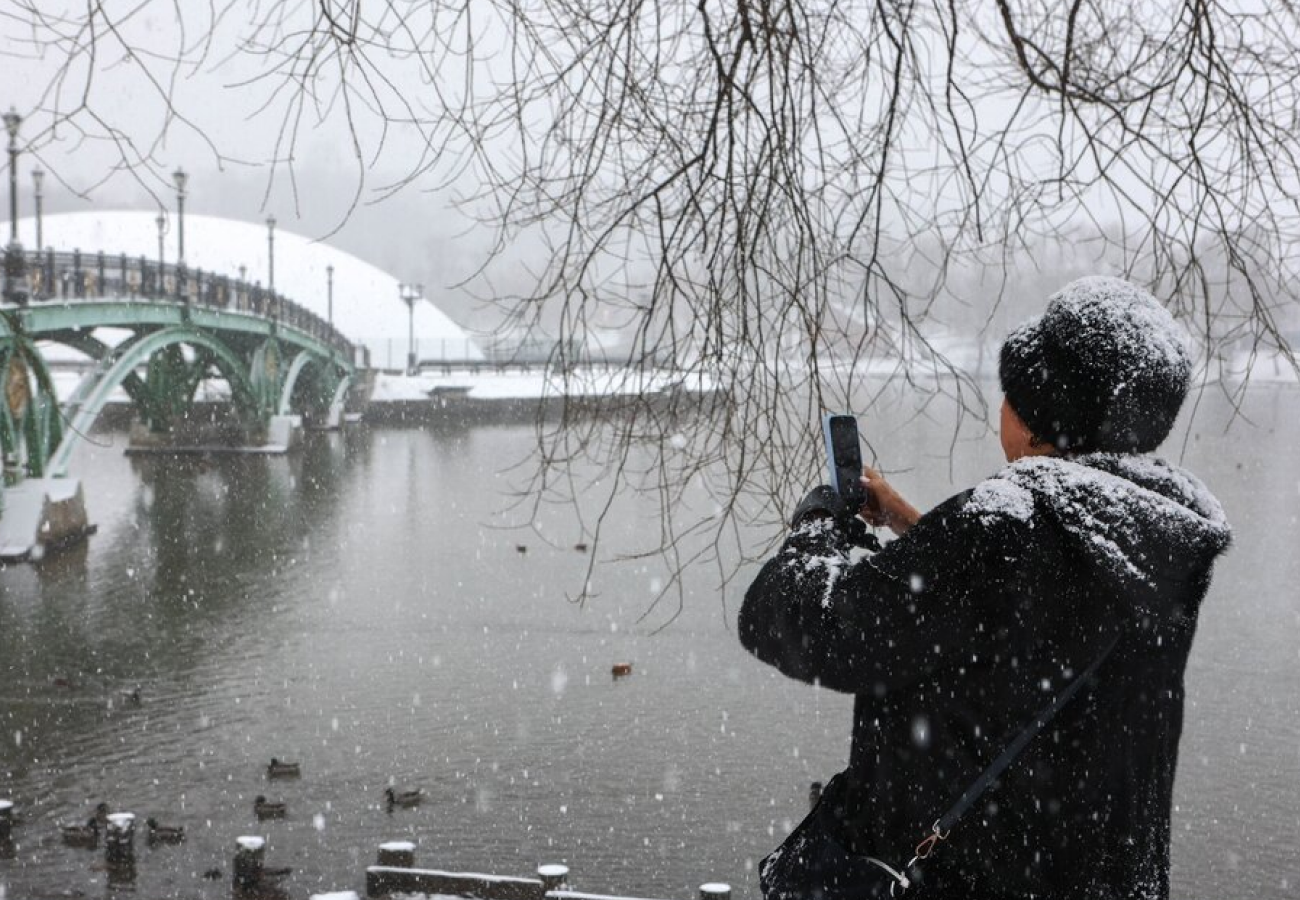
[[1144, 523]]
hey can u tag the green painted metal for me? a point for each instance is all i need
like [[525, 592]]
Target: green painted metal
[[136, 352], [58, 317], [246, 348], [334, 417], [265, 372], [170, 384], [313, 380], [184, 326], [96, 349], [31, 424]]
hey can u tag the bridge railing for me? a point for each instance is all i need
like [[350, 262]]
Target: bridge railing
[[60, 275]]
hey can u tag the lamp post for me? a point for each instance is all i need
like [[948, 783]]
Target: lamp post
[[181, 178], [410, 294], [270, 253], [329, 293], [161, 222], [15, 287], [38, 180]]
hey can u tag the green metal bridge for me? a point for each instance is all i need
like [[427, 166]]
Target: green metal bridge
[[157, 332]]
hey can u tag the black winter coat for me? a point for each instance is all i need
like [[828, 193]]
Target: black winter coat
[[955, 635]]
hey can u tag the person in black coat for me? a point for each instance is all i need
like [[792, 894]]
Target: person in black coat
[[961, 631]]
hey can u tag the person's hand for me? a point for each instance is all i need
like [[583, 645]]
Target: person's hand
[[884, 505]]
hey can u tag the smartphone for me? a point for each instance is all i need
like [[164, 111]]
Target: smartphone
[[845, 455]]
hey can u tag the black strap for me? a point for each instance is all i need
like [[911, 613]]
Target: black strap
[[1014, 749]]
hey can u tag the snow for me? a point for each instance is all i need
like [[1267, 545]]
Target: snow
[[121, 821], [398, 847], [61, 490], [996, 497], [576, 895], [6, 805], [367, 309], [553, 870], [1152, 470], [1111, 308], [1113, 502], [475, 876], [250, 842], [490, 384], [813, 566], [337, 895]]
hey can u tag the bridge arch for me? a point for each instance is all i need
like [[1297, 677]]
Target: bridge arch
[[88, 400], [300, 362], [31, 424]]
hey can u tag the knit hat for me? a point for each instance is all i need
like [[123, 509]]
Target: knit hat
[[1105, 368]]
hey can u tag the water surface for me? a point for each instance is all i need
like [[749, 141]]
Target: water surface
[[362, 607]]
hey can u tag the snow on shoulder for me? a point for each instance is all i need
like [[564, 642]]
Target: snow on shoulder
[[1120, 506], [998, 497]]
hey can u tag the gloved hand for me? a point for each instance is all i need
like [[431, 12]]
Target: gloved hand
[[824, 500]]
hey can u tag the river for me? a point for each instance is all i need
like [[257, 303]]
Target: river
[[364, 608]]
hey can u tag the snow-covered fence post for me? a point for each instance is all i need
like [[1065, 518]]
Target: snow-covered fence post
[[715, 890], [250, 852], [397, 853], [554, 876], [814, 794], [119, 839], [6, 820]]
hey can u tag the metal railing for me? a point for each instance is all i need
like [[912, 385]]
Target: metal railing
[[64, 276]]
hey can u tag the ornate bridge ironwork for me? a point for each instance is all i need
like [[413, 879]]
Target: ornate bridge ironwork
[[182, 327]]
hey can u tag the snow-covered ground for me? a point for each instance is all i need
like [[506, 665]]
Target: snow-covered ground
[[493, 385]]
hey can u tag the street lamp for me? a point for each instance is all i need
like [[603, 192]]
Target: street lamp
[[161, 222], [410, 294], [38, 179], [329, 293], [270, 253], [180, 177], [15, 287]]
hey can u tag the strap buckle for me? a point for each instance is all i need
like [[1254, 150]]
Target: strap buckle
[[926, 847]]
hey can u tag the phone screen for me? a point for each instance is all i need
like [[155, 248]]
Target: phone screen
[[845, 457]]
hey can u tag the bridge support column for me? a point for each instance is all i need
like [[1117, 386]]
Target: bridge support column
[[281, 434], [42, 514], [284, 432]]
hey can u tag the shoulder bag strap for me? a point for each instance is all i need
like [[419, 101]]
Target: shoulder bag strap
[[1017, 746]]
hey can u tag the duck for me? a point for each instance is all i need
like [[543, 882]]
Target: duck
[[101, 814], [521, 548], [267, 809], [81, 835], [274, 873], [580, 547], [131, 697], [278, 769], [213, 874], [164, 834], [621, 670], [404, 799]]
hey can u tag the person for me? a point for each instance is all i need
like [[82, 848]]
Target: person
[[959, 632]]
